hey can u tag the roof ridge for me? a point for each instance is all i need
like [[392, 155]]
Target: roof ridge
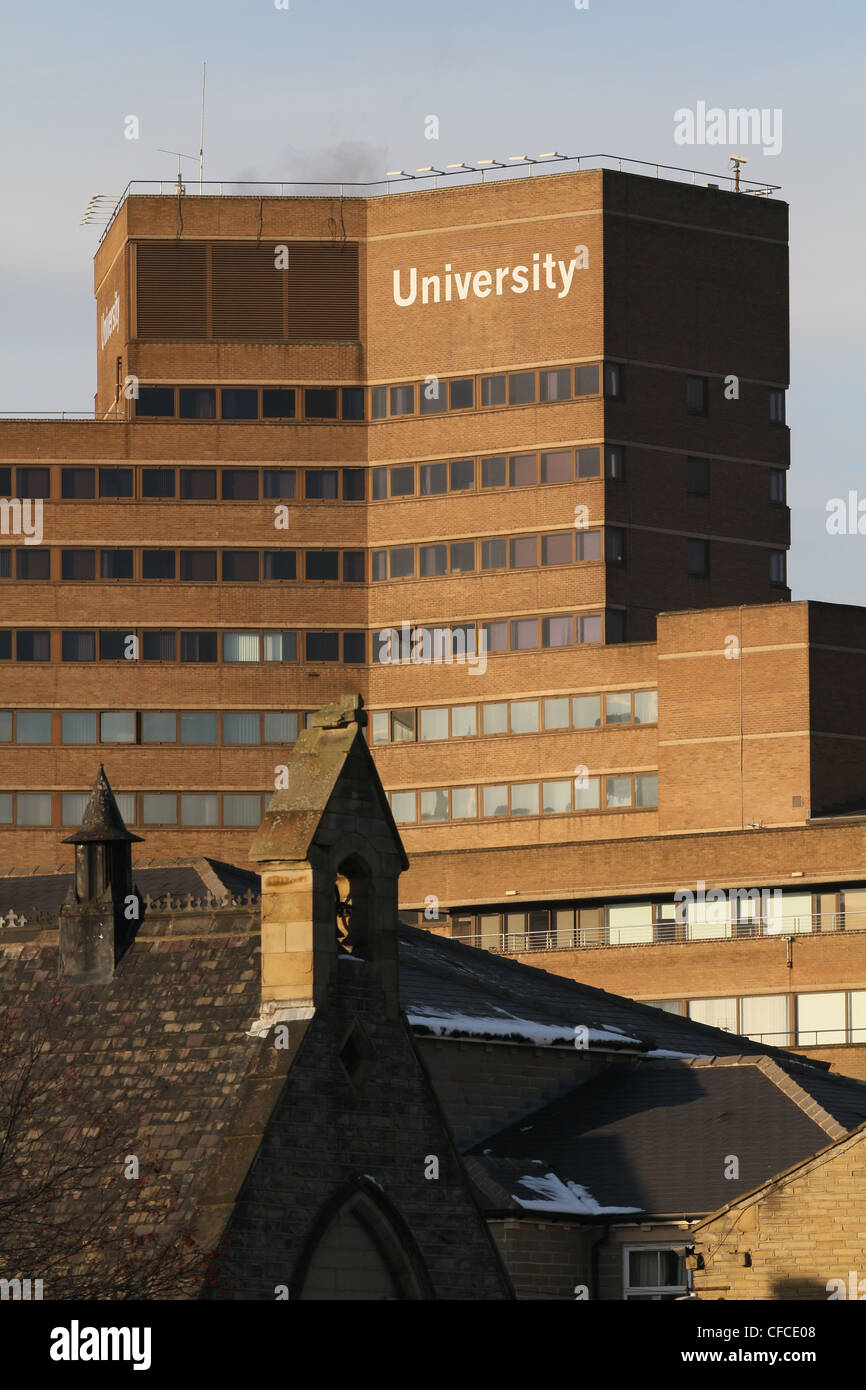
[[801, 1097]]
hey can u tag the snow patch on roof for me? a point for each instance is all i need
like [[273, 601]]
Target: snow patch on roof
[[690, 1056], [555, 1195], [504, 1025]]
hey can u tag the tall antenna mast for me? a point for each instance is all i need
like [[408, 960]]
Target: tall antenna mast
[[201, 141]]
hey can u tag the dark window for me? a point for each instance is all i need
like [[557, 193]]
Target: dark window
[[556, 467], [321, 483], [586, 380], [402, 563], [378, 402], [33, 646], [777, 406], [157, 564], [155, 400], [493, 390], [696, 395], [778, 482], [6, 481], [354, 484], [241, 566], [522, 470], [6, 564], [198, 565], [322, 564], [588, 462], [157, 482], [697, 477], [354, 648], [197, 403], [353, 402], [524, 634], [614, 626], [462, 474], [493, 472], [6, 645], [278, 403], [31, 563], [588, 545], [462, 557], [403, 481], [279, 482], [432, 559], [614, 545], [379, 565], [323, 646], [380, 484], [279, 564], [778, 567], [433, 397], [521, 388], [78, 646], [198, 484], [239, 404], [115, 564], [78, 564], [321, 403], [158, 646], [555, 385], [33, 482], [494, 554], [402, 400], [557, 549], [613, 381], [699, 558], [198, 646], [462, 393], [433, 479], [77, 482], [353, 567], [614, 463], [523, 552], [240, 484], [115, 482], [112, 646]]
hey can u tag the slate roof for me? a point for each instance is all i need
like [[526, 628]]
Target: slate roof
[[29, 894]]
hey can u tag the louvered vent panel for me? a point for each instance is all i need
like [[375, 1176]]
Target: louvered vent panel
[[323, 291], [247, 291], [171, 290]]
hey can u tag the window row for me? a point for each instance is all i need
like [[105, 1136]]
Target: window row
[[500, 470], [435, 397], [226, 809], [559, 797], [836, 1016], [189, 484], [231, 727], [81, 645], [498, 553], [194, 566], [420, 645], [250, 403], [515, 717]]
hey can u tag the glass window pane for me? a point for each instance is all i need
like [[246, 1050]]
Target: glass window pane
[[524, 717], [403, 481], [433, 479], [522, 470], [495, 801], [524, 634], [115, 482], [764, 1018], [278, 403], [858, 1016], [197, 403], [586, 793], [33, 727], [556, 797], [646, 707], [280, 727], [820, 1018], [241, 726], [378, 402], [464, 803], [240, 566], [242, 808], [557, 632], [241, 646], [73, 806], [617, 791], [280, 646], [279, 564], [117, 728], [462, 557], [34, 808], [240, 404], [353, 404], [434, 724], [432, 559], [589, 545], [494, 554], [198, 726], [402, 725], [434, 806], [6, 726], [5, 808], [115, 564], [402, 400], [199, 808], [321, 403], [557, 549], [556, 466], [494, 718], [494, 637], [322, 564], [524, 799], [493, 390], [198, 646], [523, 552], [586, 380], [158, 646], [279, 482], [380, 484], [521, 388], [463, 721], [402, 563], [588, 462], [617, 708], [158, 726], [159, 808], [462, 474], [646, 789], [718, 1013], [158, 482], [381, 724], [556, 713], [555, 384], [321, 483], [78, 646], [589, 628], [403, 807], [493, 472], [462, 394]]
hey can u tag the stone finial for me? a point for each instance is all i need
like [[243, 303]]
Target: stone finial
[[102, 822], [348, 709]]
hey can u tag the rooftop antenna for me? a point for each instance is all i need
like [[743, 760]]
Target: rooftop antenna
[[179, 188], [201, 139], [737, 160]]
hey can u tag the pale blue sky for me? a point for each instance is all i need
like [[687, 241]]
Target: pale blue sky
[[334, 87]]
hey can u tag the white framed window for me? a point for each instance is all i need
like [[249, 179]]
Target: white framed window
[[653, 1274]]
